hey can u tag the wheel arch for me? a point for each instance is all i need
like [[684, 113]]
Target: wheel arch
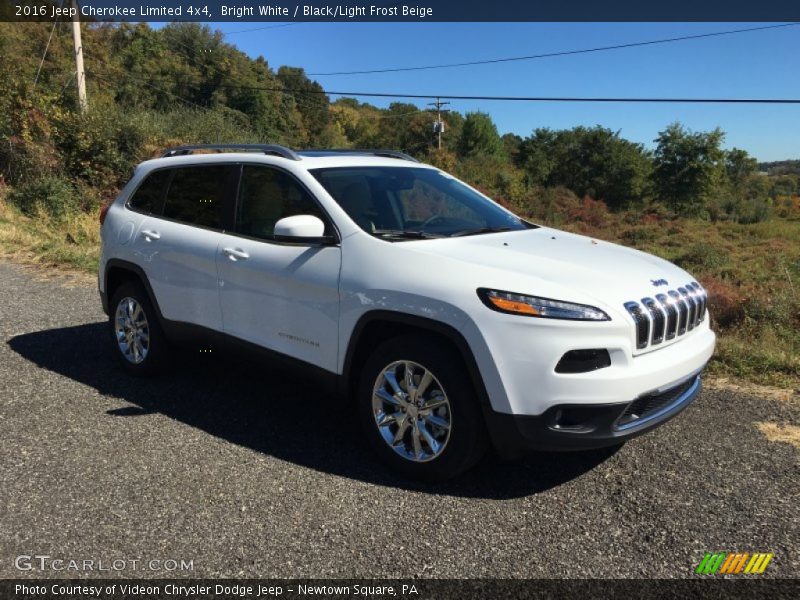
[[379, 325], [119, 271]]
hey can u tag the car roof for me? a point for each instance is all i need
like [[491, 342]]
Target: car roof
[[312, 159]]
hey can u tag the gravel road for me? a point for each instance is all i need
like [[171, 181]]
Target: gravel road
[[247, 471]]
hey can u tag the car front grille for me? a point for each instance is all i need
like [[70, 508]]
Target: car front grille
[[668, 315], [648, 407]]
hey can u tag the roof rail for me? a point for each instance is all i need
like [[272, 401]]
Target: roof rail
[[274, 149], [362, 151]]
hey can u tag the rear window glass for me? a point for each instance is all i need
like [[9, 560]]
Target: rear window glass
[[197, 195], [148, 197]]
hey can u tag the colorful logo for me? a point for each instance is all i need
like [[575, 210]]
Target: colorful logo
[[728, 563]]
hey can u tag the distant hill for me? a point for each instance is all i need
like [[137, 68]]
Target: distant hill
[[780, 167]]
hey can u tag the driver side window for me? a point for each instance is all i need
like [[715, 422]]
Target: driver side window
[[268, 195]]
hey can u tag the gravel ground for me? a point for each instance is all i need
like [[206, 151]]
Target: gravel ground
[[247, 471]]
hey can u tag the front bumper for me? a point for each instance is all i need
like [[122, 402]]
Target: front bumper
[[587, 426]]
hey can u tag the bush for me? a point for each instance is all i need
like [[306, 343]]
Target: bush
[[55, 196], [592, 212], [725, 302], [22, 161], [703, 257]]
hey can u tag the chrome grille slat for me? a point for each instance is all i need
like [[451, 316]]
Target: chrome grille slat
[[642, 322], [671, 329], [670, 315], [657, 318], [700, 298], [683, 310], [690, 303]]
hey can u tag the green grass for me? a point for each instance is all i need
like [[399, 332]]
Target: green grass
[[72, 242]]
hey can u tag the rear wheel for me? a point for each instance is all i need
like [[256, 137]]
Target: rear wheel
[[138, 341], [419, 410]]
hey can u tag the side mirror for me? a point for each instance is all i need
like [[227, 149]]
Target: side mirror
[[300, 229]]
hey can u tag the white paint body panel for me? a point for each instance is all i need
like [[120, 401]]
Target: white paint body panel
[[305, 301], [283, 297]]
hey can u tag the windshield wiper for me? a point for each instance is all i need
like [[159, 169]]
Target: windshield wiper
[[408, 234], [479, 231]]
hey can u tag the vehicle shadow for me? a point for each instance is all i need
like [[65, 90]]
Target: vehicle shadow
[[268, 410]]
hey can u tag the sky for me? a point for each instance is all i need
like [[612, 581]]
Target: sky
[[757, 64]]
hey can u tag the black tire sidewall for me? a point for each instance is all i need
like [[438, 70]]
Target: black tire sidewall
[[467, 443], [158, 357]]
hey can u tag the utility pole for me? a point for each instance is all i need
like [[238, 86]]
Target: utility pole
[[80, 73], [438, 126]]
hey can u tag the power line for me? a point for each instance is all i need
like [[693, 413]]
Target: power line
[[226, 34], [529, 98], [46, 48], [353, 94], [158, 89], [553, 54]]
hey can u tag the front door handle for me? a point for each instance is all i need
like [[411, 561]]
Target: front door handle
[[235, 253], [151, 235]]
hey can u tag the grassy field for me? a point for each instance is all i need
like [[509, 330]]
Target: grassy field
[[752, 272], [71, 243]]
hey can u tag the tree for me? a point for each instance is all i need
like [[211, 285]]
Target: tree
[[594, 162], [311, 103], [404, 127], [511, 145], [689, 168], [479, 136], [739, 165]]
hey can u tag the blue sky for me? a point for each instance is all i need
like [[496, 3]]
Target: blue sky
[[756, 64]]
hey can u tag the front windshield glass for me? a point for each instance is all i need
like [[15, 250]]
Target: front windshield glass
[[413, 203]]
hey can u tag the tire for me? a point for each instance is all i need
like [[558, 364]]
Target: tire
[[445, 419], [137, 320]]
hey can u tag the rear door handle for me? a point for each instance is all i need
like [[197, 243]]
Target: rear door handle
[[235, 253], [151, 235]]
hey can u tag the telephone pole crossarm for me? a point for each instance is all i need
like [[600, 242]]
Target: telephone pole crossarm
[[438, 126]]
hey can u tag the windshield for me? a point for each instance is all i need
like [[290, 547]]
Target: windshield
[[413, 203]]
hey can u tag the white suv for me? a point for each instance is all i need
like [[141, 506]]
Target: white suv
[[447, 321]]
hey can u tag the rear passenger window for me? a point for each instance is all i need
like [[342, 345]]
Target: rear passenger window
[[268, 195], [148, 197], [197, 195]]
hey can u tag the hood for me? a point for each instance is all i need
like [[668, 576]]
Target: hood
[[548, 261]]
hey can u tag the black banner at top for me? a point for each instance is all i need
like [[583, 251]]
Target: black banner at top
[[398, 10]]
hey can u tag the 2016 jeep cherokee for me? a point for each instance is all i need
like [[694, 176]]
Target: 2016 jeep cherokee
[[450, 322]]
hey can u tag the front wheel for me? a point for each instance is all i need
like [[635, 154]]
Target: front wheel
[[419, 410]]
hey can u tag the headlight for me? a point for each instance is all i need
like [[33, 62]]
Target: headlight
[[533, 306]]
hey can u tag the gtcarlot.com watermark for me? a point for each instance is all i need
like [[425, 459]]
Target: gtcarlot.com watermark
[[44, 562]]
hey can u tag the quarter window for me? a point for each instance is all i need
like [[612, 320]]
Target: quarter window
[[268, 195], [148, 197], [197, 195]]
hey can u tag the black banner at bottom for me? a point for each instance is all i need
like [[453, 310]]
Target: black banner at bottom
[[410, 589]]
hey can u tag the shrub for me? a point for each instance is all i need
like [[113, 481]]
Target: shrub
[[726, 302], [637, 236], [703, 257], [22, 161], [590, 211], [53, 195]]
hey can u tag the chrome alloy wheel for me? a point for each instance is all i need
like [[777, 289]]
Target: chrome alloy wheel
[[411, 411], [132, 330]]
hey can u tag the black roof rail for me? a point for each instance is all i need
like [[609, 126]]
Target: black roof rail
[[274, 149], [361, 151]]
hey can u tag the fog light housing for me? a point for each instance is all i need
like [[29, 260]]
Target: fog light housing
[[584, 361]]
